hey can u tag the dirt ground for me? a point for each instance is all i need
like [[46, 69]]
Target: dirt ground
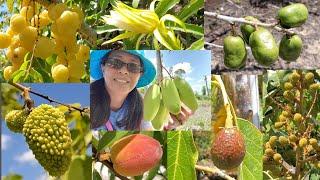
[[216, 30]]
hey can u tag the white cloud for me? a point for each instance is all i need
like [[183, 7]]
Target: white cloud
[[184, 66], [5, 141], [43, 176], [26, 157]]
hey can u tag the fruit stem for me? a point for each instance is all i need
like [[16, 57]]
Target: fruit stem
[[226, 103]]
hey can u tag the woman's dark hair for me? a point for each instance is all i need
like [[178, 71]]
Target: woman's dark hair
[[100, 106]]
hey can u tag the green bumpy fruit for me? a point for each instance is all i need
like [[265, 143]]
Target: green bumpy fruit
[[293, 15], [49, 138], [247, 29], [15, 120], [264, 47], [161, 118], [170, 96], [290, 48], [186, 93], [151, 102], [228, 148], [135, 154], [235, 53]]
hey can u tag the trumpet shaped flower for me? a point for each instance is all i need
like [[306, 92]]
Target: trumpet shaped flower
[[141, 23]]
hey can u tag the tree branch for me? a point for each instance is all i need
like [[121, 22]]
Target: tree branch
[[242, 20], [27, 89], [214, 170], [312, 105]]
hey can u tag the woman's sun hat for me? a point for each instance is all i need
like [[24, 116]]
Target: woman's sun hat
[[149, 71]]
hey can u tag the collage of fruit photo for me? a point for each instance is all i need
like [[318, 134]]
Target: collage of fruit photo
[[160, 89]]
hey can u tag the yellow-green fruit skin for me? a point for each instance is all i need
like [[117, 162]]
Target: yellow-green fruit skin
[[161, 118], [264, 48], [293, 15], [15, 120], [135, 154], [151, 102], [47, 134], [186, 93], [170, 96], [235, 53], [290, 48], [247, 29]]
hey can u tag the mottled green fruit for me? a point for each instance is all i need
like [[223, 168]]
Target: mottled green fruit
[[303, 142], [264, 47], [228, 148], [269, 152], [277, 157], [247, 29], [309, 77], [297, 117], [294, 77], [235, 53], [170, 96], [313, 142], [288, 86], [278, 125], [293, 15], [314, 87], [288, 95], [293, 138], [161, 118], [15, 120], [186, 93], [290, 47], [151, 102], [48, 136], [273, 140], [283, 140]]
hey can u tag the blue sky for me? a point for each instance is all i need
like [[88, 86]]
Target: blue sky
[[197, 64], [15, 154]]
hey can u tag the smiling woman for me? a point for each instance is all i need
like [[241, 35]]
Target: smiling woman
[[115, 101]]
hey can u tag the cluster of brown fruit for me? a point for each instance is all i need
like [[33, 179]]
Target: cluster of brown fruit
[[49, 31]]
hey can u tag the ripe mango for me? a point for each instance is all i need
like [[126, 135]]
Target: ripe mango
[[170, 96], [247, 29], [235, 53], [290, 47], [151, 102], [293, 15], [186, 93], [161, 118], [264, 47], [135, 154]]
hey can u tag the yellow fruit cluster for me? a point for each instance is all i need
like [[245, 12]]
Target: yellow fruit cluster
[[26, 34]]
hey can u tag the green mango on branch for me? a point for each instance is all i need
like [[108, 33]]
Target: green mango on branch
[[290, 47], [293, 15], [264, 48], [235, 53], [247, 29]]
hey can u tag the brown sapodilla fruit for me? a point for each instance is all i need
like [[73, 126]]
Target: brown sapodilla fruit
[[135, 154], [228, 148]]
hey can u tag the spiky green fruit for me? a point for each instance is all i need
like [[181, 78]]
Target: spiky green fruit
[[297, 117], [49, 138], [273, 140], [303, 142], [15, 120], [277, 157], [283, 140], [269, 152], [293, 138]]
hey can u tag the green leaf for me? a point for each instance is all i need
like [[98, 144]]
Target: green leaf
[[37, 77], [252, 166], [190, 28], [12, 177], [164, 6], [182, 155], [153, 172], [106, 28], [197, 45], [109, 138], [10, 5], [18, 75], [24, 65], [76, 170], [190, 9]]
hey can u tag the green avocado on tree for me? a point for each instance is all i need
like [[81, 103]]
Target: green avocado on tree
[[293, 15], [290, 47], [247, 29], [264, 47], [235, 53]]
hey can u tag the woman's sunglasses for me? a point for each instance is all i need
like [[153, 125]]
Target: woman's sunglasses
[[118, 64]]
